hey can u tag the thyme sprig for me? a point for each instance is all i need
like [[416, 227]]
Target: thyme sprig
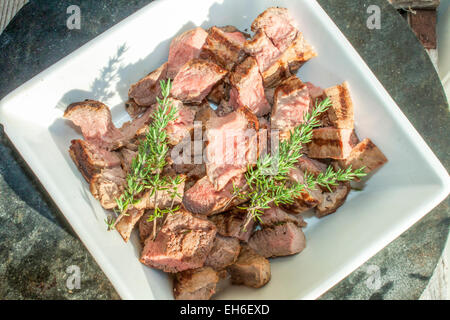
[[266, 185], [147, 167]]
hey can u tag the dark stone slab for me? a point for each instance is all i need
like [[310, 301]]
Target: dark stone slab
[[37, 245]]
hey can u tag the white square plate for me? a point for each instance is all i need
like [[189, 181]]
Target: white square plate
[[405, 189]]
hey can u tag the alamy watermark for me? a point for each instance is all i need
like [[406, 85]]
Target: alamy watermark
[[374, 19], [373, 282], [74, 279], [74, 20]]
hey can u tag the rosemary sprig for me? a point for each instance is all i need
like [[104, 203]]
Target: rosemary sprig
[[147, 166], [331, 177], [261, 190], [110, 222]]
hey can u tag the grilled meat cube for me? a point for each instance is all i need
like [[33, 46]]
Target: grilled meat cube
[[247, 88], [278, 25], [195, 284], [125, 223], [145, 91], [232, 145], [331, 143], [90, 159], [224, 48], [298, 52], [195, 80], [364, 154], [231, 224], [251, 269], [263, 50], [307, 199], [223, 253], [107, 186], [331, 201], [182, 243], [203, 199], [291, 102], [340, 113], [185, 47], [306, 164], [280, 240], [275, 216]]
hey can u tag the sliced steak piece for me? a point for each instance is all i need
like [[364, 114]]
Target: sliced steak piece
[[281, 240], [203, 199], [331, 143], [224, 48], [90, 159], [306, 164], [331, 201], [145, 91], [195, 284], [262, 49], [126, 223], [298, 52], [291, 102], [366, 154], [108, 185], [340, 113], [247, 88], [94, 120], [185, 47], [307, 200], [183, 243], [250, 269], [278, 25], [195, 80], [232, 145], [223, 253], [275, 216], [231, 224]]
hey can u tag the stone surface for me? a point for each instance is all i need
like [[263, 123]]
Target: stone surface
[[406, 265], [37, 245]]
